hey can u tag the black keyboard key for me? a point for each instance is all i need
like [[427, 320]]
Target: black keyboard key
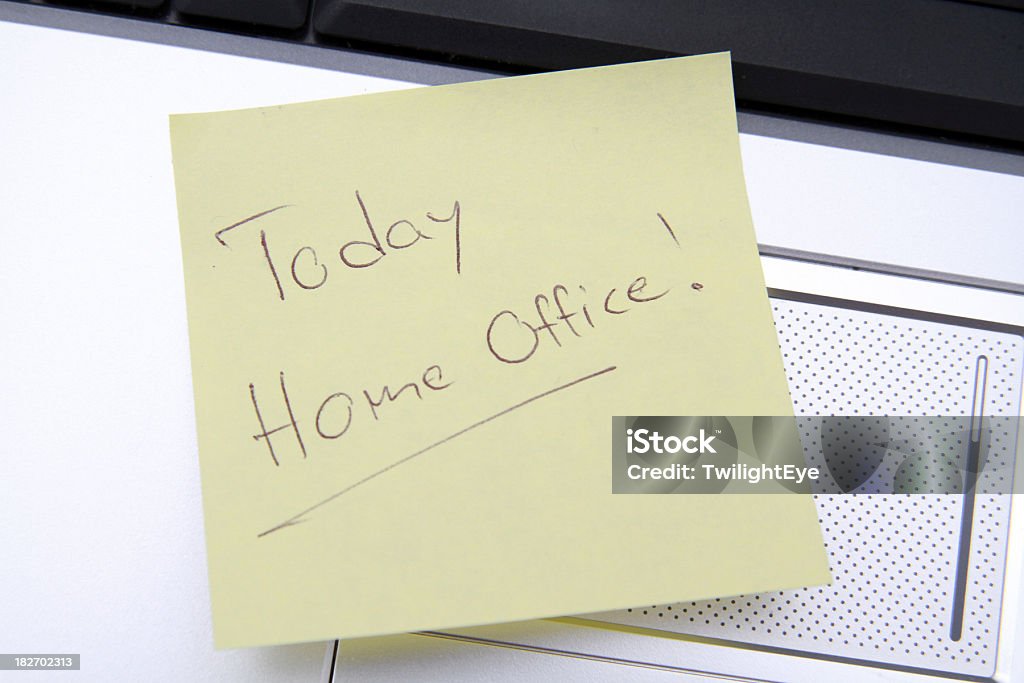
[[532, 35], [285, 14], [114, 5]]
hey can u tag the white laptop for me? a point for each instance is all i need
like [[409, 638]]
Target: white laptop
[[893, 265]]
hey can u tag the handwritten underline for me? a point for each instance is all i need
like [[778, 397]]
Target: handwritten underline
[[298, 518]]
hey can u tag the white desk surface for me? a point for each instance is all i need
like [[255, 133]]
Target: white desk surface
[[102, 533]]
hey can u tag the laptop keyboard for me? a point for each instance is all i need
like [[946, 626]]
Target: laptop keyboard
[[937, 68]]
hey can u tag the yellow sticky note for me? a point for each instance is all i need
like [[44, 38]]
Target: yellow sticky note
[[412, 317]]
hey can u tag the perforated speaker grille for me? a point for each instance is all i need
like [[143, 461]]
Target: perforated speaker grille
[[893, 557]]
